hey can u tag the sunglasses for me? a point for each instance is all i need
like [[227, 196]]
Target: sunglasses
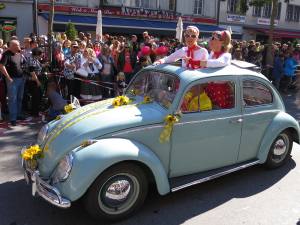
[[216, 36], [190, 35]]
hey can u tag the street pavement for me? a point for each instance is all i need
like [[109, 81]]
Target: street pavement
[[252, 196]]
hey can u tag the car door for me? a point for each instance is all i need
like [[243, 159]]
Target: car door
[[207, 137], [258, 112]]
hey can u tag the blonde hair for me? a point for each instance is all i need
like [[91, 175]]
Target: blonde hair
[[120, 75], [91, 52], [226, 39]]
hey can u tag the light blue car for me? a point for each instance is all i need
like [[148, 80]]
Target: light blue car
[[227, 119]]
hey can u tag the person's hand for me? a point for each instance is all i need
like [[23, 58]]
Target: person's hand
[[158, 62], [38, 83], [10, 79], [186, 59]]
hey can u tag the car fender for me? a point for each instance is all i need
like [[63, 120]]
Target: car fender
[[89, 162], [281, 122]]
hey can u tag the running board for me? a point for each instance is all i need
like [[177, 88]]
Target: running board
[[178, 183]]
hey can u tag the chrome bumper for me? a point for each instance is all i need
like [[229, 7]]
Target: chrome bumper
[[43, 189]]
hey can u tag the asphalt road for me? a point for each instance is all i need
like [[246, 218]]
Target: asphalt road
[[252, 196]]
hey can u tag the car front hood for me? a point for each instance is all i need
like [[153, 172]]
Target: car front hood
[[91, 122]]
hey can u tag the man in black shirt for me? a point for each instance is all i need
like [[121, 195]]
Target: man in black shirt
[[10, 67]]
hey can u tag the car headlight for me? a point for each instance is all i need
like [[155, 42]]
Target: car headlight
[[63, 169], [42, 134]]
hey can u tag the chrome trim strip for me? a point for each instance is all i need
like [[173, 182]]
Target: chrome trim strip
[[149, 127], [214, 176], [137, 130]]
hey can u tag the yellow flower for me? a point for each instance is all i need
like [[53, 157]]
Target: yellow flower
[[120, 100], [68, 108], [147, 99], [32, 152], [58, 117]]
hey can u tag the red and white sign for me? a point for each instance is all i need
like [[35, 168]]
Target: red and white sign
[[128, 12], [266, 21]]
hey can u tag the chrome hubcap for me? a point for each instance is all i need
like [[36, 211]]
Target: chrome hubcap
[[281, 147], [118, 194]]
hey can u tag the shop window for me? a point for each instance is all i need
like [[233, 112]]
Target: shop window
[[255, 93], [278, 11], [209, 96], [172, 5], [236, 6], [267, 9], [198, 7], [256, 11], [293, 13]]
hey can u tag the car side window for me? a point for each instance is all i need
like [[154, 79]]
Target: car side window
[[256, 93], [209, 96]]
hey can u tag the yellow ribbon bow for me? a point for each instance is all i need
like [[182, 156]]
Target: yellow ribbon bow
[[170, 120]]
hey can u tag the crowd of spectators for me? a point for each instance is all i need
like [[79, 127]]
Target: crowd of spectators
[[92, 70]]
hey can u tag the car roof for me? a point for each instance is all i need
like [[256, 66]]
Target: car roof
[[188, 76]]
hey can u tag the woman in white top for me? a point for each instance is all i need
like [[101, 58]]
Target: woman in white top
[[92, 66], [192, 54], [220, 45]]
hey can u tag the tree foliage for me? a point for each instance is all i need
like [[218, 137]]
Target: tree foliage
[[71, 31]]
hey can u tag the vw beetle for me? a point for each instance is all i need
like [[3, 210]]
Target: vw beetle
[[228, 119]]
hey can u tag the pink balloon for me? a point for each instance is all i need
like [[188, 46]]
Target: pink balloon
[[146, 50], [162, 50]]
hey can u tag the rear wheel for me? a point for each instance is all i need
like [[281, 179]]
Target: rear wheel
[[280, 150], [117, 192]]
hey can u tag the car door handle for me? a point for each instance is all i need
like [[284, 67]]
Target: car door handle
[[239, 120]]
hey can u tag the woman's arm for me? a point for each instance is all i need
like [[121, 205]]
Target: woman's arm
[[179, 54], [223, 60]]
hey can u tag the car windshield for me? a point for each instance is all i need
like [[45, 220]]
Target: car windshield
[[160, 87]]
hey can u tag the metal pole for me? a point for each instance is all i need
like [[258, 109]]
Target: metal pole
[[218, 12], [35, 17], [50, 30]]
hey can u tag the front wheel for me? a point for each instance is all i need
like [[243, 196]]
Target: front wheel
[[117, 192], [280, 150]]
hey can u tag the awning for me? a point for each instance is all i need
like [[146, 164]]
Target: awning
[[281, 33], [126, 23]]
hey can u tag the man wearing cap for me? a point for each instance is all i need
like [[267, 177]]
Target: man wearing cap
[[72, 63], [192, 54]]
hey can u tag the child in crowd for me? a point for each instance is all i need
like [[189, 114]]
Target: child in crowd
[[57, 103], [121, 83]]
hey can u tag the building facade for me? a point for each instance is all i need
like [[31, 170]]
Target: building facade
[[16, 18], [159, 17], [255, 23]]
